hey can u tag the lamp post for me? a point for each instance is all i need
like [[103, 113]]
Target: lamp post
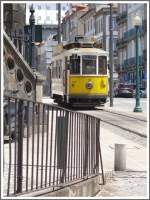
[[59, 23], [137, 23], [32, 38], [111, 57]]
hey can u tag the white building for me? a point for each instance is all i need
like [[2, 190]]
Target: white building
[[96, 23], [126, 43], [45, 13]]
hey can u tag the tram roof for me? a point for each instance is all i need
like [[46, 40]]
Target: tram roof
[[87, 50]]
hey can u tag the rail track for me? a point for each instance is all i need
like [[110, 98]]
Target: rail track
[[122, 121], [132, 124]]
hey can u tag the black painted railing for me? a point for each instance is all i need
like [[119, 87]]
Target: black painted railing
[[46, 146]]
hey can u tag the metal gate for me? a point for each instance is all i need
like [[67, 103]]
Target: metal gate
[[47, 147]]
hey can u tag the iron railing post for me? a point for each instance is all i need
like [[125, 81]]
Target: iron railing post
[[86, 147], [20, 146], [98, 151]]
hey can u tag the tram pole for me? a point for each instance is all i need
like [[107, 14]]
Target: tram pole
[[111, 58]]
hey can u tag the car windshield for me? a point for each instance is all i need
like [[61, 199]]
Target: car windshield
[[126, 86]]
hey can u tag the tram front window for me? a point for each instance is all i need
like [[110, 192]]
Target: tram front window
[[75, 64], [89, 64], [102, 65]]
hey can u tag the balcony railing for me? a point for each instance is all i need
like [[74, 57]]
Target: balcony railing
[[130, 62], [121, 43], [130, 34], [122, 17]]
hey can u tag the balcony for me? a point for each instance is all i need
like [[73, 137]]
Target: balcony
[[132, 61], [130, 34], [122, 17], [121, 43], [143, 28]]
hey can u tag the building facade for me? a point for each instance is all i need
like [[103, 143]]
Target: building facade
[[126, 43], [71, 24], [46, 13], [44, 54], [96, 23], [88, 21], [14, 16]]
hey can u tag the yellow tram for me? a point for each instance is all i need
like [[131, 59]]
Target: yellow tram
[[79, 74]]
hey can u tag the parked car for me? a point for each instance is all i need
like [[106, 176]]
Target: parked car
[[124, 90], [143, 93]]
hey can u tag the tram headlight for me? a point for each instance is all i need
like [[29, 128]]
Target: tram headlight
[[89, 85]]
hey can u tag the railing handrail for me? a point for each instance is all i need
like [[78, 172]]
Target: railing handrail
[[50, 104]]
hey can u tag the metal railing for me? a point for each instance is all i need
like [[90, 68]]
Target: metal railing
[[22, 42], [48, 147]]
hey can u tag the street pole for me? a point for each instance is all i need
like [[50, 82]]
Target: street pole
[[111, 58], [32, 38], [59, 23], [137, 106]]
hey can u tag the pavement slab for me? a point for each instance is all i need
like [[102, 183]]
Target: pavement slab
[[125, 184]]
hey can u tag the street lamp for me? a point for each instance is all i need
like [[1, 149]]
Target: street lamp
[[32, 38], [137, 23], [111, 57]]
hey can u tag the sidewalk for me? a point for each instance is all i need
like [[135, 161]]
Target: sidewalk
[[131, 182], [128, 111]]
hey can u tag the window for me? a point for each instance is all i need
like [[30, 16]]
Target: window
[[75, 64], [91, 24], [53, 70], [39, 7], [88, 26], [48, 7], [48, 18], [39, 17], [56, 16], [101, 24], [96, 26], [102, 65], [114, 23], [63, 8], [84, 28], [89, 64], [114, 44]]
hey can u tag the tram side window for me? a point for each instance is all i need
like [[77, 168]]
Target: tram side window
[[88, 64], [102, 65], [75, 64]]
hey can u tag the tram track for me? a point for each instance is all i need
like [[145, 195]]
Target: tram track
[[132, 124], [127, 123], [132, 117]]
